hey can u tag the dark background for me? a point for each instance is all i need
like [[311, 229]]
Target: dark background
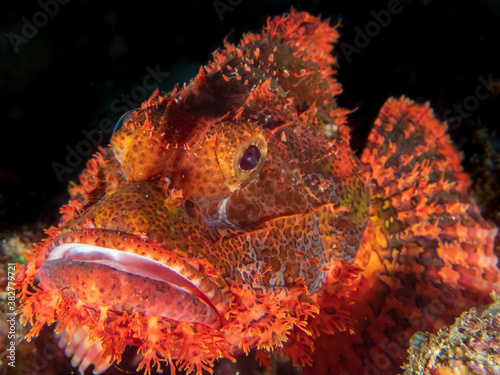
[[64, 79]]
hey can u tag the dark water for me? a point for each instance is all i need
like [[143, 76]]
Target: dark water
[[65, 78]]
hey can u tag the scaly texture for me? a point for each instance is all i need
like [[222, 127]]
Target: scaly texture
[[231, 213], [427, 254]]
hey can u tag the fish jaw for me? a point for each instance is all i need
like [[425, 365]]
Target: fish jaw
[[134, 275], [126, 282]]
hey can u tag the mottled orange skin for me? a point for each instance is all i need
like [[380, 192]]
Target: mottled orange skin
[[427, 254], [307, 241]]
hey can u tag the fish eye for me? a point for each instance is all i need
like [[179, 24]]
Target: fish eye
[[124, 119], [250, 158], [241, 152]]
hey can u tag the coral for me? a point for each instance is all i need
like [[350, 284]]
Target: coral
[[470, 346]]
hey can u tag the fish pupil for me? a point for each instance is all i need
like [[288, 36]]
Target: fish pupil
[[250, 158]]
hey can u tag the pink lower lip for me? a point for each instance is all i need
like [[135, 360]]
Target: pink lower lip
[[134, 264], [100, 287], [128, 262]]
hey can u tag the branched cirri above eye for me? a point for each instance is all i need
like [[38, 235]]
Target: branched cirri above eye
[[124, 119], [250, 158]]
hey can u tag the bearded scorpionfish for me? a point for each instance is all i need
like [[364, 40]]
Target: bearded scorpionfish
[[232, 214]]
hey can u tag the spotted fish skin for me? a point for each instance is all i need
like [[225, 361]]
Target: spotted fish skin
[[427, 253], [237, 197]]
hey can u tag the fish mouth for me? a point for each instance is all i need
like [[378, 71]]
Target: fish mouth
[[122, 272]]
